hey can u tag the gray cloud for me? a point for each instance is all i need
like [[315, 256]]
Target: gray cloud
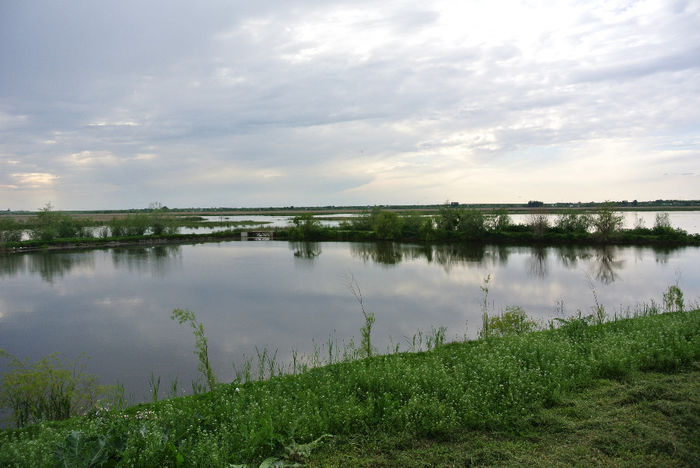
[[310, 102]]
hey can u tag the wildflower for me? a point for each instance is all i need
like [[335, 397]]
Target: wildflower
[[238, 390]]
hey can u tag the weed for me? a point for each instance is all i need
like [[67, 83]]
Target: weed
[[366, 343], [485, 333], [599, 314], [154, 385], [201, 347], [173, 388]]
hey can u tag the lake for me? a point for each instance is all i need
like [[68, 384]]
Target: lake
[[115, 304]]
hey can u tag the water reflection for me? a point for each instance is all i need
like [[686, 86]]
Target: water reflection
[[384, 253], [571, 255], [538, 263], [48, 265], [605, 265], [51, 266], [156, 260], [603, 262], [448, 256], [305, 253]]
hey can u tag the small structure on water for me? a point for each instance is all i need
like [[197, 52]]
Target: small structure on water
[[256, 235]]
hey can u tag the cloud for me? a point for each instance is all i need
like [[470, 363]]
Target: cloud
[[353, 102], [33, 179]]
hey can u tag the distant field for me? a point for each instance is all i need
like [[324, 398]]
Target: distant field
[[106, 216]]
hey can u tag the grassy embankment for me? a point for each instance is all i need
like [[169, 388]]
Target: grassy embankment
[[585, 392]]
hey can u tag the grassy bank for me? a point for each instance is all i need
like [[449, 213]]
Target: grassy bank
[[645, 419], [511, 393]]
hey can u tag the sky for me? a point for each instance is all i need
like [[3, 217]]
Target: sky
[[120, 104]]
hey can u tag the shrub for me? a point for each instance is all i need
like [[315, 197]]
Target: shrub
[[50, 224], [673, 299], [10, 231], [306, 227], [499, 220], [572, 222], [387, 225], [47, 390], [512, 321], [472, 224], [607, 221], [538, 223]]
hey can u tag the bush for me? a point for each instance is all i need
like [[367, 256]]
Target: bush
[[306, 227], [539, 224], [46, 390], [572, 222], [50, 224], [607, 221], [387, 225], [472, 224], [512, 321], [499, 220], [131, 225], [10, 231]]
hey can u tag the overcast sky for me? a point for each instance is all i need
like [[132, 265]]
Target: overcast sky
[[225, 103]]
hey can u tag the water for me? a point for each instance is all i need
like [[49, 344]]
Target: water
[[115, 304]]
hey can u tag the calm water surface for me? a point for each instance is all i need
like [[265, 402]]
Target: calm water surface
[[115, 304]]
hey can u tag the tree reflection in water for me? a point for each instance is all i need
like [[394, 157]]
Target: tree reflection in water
[[385, 253], [538, 263], [306, 250], [604, 265], [446, 255], [157, 260], [48, 265]]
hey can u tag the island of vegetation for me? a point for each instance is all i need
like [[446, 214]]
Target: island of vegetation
[[601, 224]]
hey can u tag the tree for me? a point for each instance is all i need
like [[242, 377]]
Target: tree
[[50, 224], [539, 223], [306, 227], [499, 220], [472, 223], [607, 221], [387, 225]]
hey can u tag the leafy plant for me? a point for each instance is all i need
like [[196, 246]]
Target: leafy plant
[[78, 449], [512, 321], [47, 389], [201, 345], [673, 299]]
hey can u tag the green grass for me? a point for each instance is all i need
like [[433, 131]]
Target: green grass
[[647, 419], [496, 399]]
